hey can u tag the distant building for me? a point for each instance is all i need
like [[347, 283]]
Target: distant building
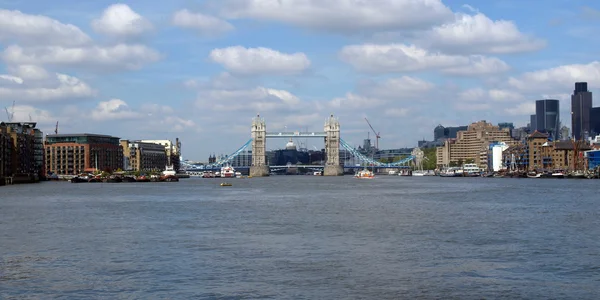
[[473, 144], [140, 156], [72, 154], [532, 123], [441, 133], [581, 106], [564, 133], [595, 121], [495, 156], [547, 117], [520, 133]]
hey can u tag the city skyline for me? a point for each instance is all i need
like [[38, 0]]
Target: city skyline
[[201, 70]]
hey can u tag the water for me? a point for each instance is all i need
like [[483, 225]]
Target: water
[[302, 237]]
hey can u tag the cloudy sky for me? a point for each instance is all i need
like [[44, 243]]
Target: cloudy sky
[[200, 70]]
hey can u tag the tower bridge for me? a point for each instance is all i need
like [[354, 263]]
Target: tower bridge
[[330, 134]]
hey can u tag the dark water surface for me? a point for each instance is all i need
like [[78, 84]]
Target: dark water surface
[[302, 237]]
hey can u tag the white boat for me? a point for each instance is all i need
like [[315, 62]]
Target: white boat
[[392, 172], [227, 172], [471, 170], [317, 173], [558, 174], [364, 174], [169, 171], [418, 173]]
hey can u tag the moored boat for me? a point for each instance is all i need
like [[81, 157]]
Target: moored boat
[[227, 171], [364, 174]]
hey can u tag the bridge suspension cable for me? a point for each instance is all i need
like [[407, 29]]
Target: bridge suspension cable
[[370, 161]]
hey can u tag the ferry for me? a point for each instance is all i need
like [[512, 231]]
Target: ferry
[[471, 170], [364, 174], [227, 172]]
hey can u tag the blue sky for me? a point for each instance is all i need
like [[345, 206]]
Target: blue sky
[[200, 70]]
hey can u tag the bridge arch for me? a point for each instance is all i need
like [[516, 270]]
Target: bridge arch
[[330, 133]]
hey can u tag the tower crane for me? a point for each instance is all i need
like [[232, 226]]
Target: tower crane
[[377, 136]]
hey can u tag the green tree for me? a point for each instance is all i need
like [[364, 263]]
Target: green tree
[[430, 159]]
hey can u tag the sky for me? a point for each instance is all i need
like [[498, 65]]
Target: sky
[[201, 70]]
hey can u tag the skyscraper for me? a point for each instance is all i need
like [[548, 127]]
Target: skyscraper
[[547, 117], [581, 106], [532, 123]]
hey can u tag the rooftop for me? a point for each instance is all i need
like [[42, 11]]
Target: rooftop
[[79, 135]]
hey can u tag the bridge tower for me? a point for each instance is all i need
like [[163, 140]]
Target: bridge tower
[[259, 165], [332, 148]]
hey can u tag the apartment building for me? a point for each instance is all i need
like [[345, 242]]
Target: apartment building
[[71, 154], [140, 156], [472, 144]]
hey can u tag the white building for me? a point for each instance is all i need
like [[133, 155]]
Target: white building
[[495, 160]]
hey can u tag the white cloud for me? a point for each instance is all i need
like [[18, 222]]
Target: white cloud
[[259, 99], [499, 95], [479, 65], [38, 30], [523, 109], [397, 112], [121, 56], [558, 79], [354, 101], [63, 87], [201, 23], [121, 21], [25, 113], [29, 72], [175, 124], [260, 60], [347, 16], [392, 58], [114, 109], [477, 34], [396, 88], [11, 79]]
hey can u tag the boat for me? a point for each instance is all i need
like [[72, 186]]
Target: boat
[[364, 174], [534, 175], [169, 175], [471, 170], [392, 172], [226, 184], [227, 171], [558, 174], [318, 173], [418, 173], [451, 172]]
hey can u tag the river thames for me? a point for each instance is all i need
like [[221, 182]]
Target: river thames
[[302, 237]]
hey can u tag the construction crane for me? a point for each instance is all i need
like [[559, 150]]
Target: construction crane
[[56, 128], [377, 136], [10, 115]]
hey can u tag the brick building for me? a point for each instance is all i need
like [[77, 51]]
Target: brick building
[[71, 154]]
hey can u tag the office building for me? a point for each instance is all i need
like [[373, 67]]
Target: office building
[[547, 117], [532, 123], [581, 106], [72, 154], [595, 121], [139, 156], [173, 151]]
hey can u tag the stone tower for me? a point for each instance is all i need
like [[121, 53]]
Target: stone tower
[[332, 148], [259, 165]]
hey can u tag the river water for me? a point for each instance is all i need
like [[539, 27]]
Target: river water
[[302, 237]]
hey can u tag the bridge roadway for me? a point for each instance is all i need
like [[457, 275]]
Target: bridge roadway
[[199, 170], [295, 134]]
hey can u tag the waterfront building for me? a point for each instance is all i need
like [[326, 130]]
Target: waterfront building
[[140, 156], [244, 159], [581, 106], [18, 144], [593, 159], [173, 151], [538, 153], [473, 144], [72, 154]]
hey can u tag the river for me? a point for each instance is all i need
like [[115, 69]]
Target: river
[[302, 237]]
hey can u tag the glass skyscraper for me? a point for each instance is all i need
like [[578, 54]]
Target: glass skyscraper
[[581, 107], [547, 117]]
